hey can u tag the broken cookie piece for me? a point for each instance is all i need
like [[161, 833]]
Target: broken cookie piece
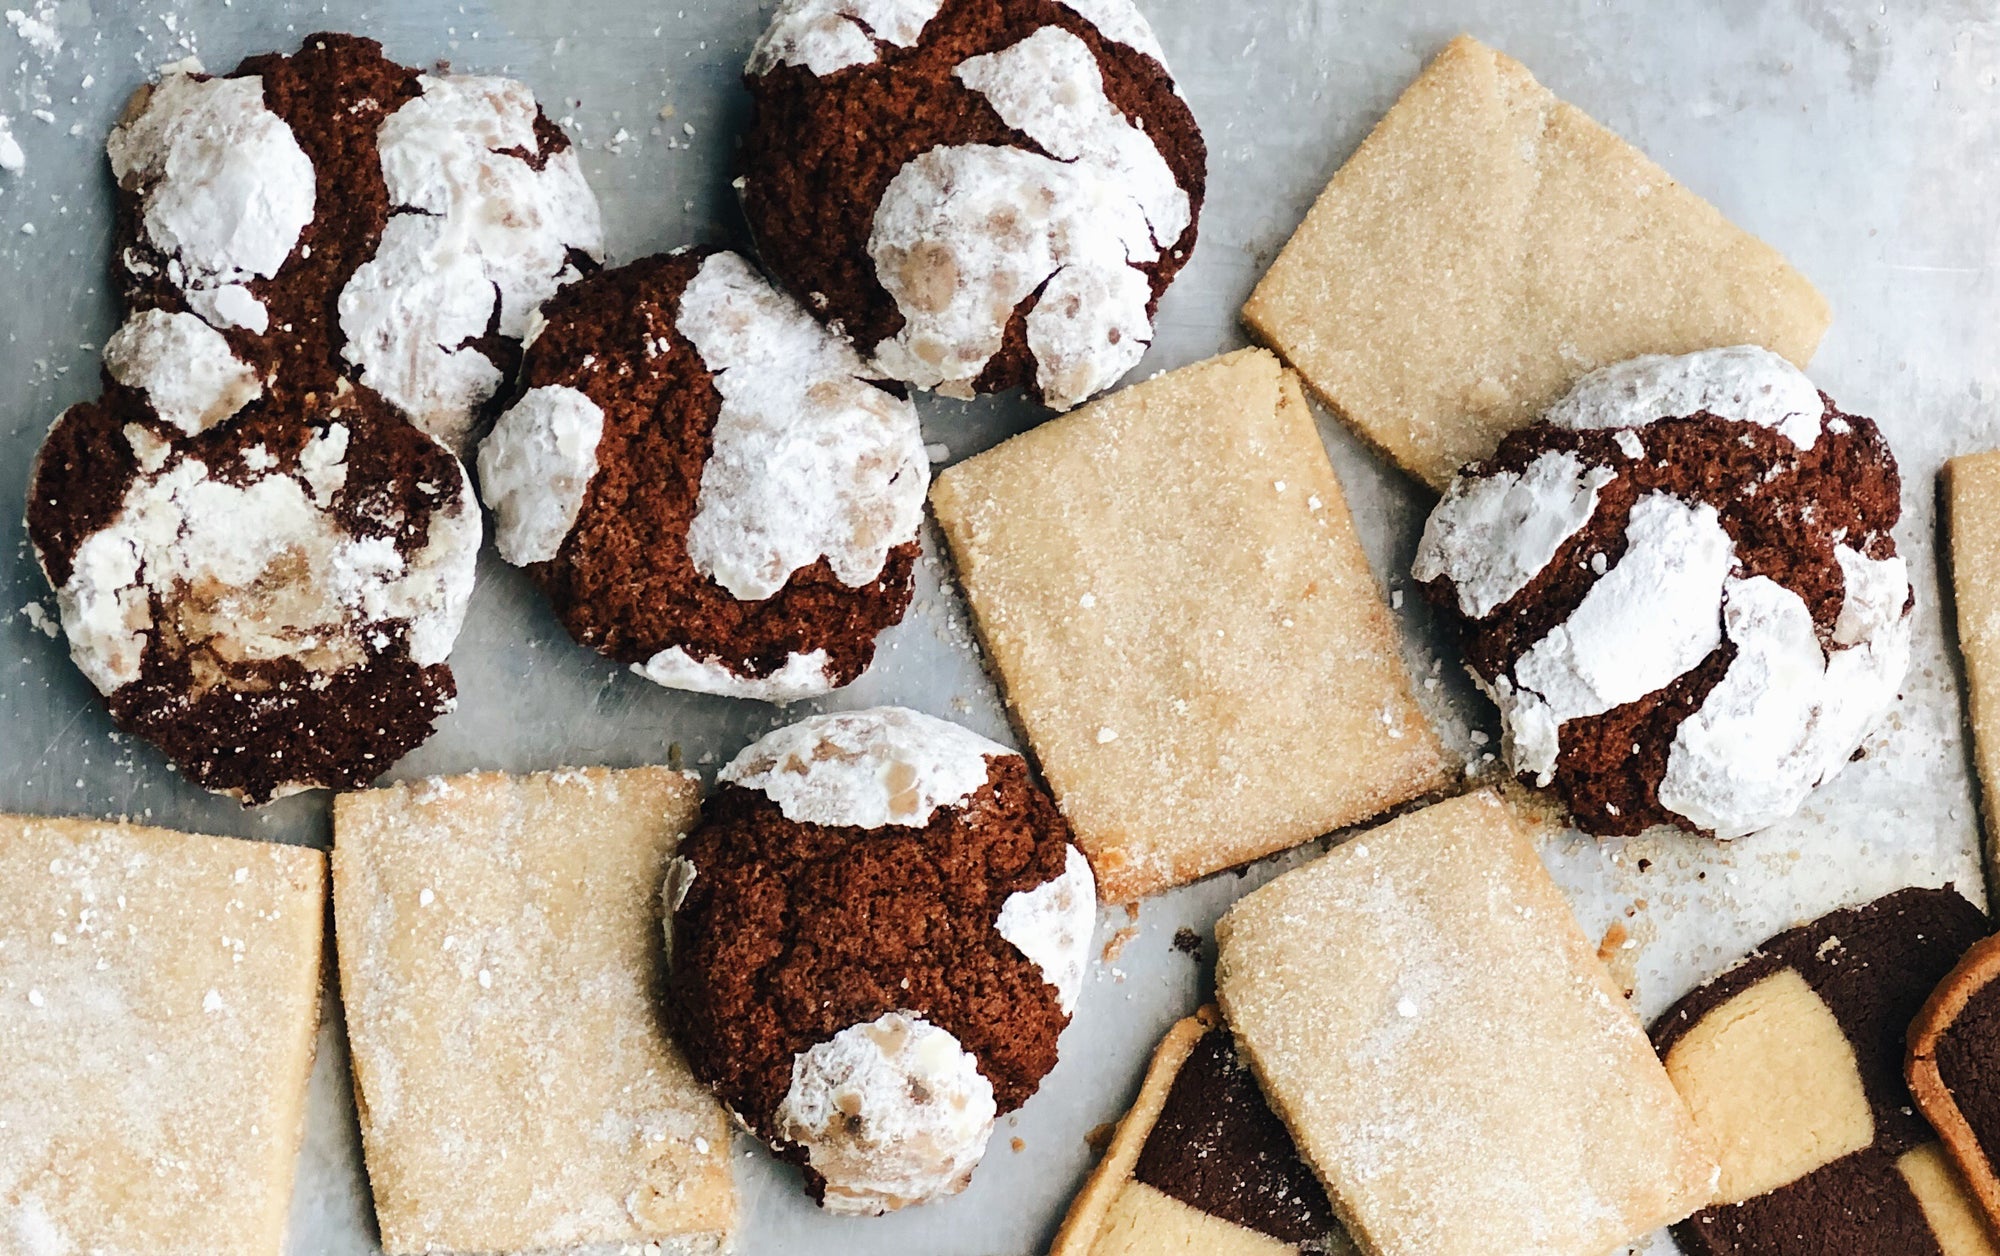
[[1487, 245], [1453, 1060], [1792, 1062], [1169, 585], [499, 942], [1201, 1166], [159, 1006]]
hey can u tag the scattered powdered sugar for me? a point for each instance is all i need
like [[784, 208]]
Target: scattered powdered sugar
[[185, 368], [224, 188], [1052, 923], [1492, 535], [477, 226], [1788, 714], [829, 35], [12, 159], [803, 676], [891, 1113], [965, 233], [808, 459], [1746, 384], [277, 575], [868, 769], [1648, 621], [535, 467]]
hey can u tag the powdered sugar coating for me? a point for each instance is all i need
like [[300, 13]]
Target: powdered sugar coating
[[809, 460], [1745, 383], [224, 189], [186, 369], [1121, 22], [1786, 717], [1052, 923], [1649, 620], [1492, 535], [867, 769], [825, 36], [803, 676], [478, 231], [966, 233], [535, 467], [280, 577], [891, 1113]]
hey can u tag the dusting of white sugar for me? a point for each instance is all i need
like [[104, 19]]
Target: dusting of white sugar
[[224, 189], [185, 367], [1492, 535], [476, 229], [891, 1113], [809, 460], [965, 233], [1745, 384], [868, 769], [535, 468], [1052, 923], [803, 676], [825, 36]]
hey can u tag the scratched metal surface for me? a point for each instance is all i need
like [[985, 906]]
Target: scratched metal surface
[[1858, 138]]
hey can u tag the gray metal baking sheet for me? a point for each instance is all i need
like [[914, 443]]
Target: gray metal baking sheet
[[1859, 138]]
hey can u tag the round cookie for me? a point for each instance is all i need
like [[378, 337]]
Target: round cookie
[[877, 933], [1031, 185], [269, 599], [261, 557], [332, 213], [704, 482], [1682, 590]]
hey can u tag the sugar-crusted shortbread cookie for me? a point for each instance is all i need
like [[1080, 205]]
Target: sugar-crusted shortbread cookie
[[1972, 500], [1487, 245], [499, 943], [1030, 184], [1201, 1166], [706, 483], [878, 931], [1454, 1062], [1792, 1062], [159, 1005], [1682, 590], [1170, 588]]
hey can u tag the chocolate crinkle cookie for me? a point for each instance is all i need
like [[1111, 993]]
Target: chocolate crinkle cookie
[[876, 935], [705, 483], [260, 539], [1682, 590], [1029, 185]]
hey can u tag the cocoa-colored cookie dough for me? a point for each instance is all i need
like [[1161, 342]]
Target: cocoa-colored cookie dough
[[1030, 185], [1792, 1064], [879, 929], [1953, 1068], [1683, 591], [705, 485]]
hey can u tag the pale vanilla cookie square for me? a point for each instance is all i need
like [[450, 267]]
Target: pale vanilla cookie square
[[500, 942], [1486, 246], [1972, 488], [1429, 1019], [159, 1005], [1186, 629]]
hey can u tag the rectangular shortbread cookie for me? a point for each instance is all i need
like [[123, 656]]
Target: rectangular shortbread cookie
[[1487, 245], [1456, 1065], [159, 1002], [1972, 486], [1185, 626], [499, 942]]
